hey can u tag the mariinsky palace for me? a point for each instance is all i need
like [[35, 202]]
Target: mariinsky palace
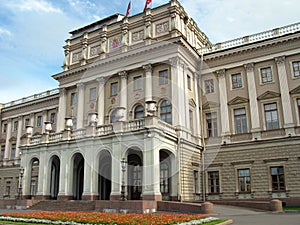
[[148, 108]]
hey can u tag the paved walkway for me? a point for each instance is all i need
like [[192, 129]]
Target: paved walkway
[[245, 216]]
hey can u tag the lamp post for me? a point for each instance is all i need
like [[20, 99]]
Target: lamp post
[[21, 173], [123, 165]]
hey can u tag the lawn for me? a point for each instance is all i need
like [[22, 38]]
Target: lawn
[[291, 207], [79, 218]]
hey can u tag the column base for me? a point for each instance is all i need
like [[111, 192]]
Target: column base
[[90, 197], [289, 131], [115, 197], [153, 197], [65, 197], [42, 197]]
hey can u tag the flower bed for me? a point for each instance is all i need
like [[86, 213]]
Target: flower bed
[[80, 218]]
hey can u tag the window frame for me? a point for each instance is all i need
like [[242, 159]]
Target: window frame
[[270, 112], [293, 69], [216, 185], [73, 98], [15, 125], [214, 124], [114, 89], [139, 109], [278, 182], [189, 82], [265, 79], [163, 77], [243, 118], [39, 121], [137, 83], [164, 113], [236, 83], [209, 86], [93, 94], [244, 177]]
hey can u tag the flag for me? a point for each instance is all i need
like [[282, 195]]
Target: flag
[[147, 3], [128, 9]]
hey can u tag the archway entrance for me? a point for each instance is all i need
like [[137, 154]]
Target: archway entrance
[[135, 175], [78, 176], [34, 176], [104, 177], [165, 174], [54, 177]]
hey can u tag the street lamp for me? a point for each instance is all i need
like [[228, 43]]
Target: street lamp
[[123, 165], [21, 173]]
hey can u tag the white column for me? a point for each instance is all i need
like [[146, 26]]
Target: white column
[[87, 176], [45, 118], [285, 96], [123, 93], [42, 177], [197, 112], [223, 103], [254, 115], [148, 82], [18, 143], [64, 177], [80, 105], [101, 100], [185, 93], [7, 142], [62, 105]]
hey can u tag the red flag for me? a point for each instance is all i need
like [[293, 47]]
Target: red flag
[[128, 9], [147, 3]]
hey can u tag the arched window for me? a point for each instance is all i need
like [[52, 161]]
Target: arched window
[[139, 112], [166, 111], [113, 116]]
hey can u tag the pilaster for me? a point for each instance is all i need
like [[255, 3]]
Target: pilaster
[[80, 105], [148, 82], [7, 142], [123, 92], [101, 100], [19, 134], [61, 115]]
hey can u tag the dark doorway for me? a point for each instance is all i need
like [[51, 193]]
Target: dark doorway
[[54, 177], [135, 175], [104, 179], [78, 176]]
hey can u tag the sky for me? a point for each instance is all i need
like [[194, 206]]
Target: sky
[[33, 32]]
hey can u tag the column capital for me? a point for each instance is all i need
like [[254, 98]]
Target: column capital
[[174, 61], [249, 67], [101, 80], [221, 73], [80, 85], [123, 74], [280, 60], [147, 68], [62, 91]]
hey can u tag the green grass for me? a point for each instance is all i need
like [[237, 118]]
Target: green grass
[[22, 223], [291, 207]]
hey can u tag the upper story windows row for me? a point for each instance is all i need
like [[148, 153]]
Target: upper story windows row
[[265, 76]]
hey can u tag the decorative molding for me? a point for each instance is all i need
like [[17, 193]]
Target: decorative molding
[[221, 73], [295, 90], [95, 50], [162, 27], [174, 61], [249, 67], [80, 85], [238, 100], [215, 165], [147, 68], [280, 60], [210, 105], [137, 36], [275, 160], [123, 74], [243, 162], [268, 95], [101, 80]]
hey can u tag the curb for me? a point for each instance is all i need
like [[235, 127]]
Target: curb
[[292, 211], [226, 222]]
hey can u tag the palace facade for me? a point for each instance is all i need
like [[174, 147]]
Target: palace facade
[[148, 108]]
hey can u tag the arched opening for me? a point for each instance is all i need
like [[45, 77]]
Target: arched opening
[[34, 176], [54, 177], [165, 174], [139, 112], [78, 176], [166, 111], [135, 174], [104, 177]]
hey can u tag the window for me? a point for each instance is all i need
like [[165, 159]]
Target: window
[[196, 181], [53, 118], [4, 128], [2, 152], [137, 83], [73, 98], [15, 125], [114, 89], [39, 121], [244, 181], [137, 179], [298, 104], [213, 182], [139, 112], [33, 188], [236, 81], [27, 121], [189, 82], [113, 116], [266, 75], [163, 77], [240, 121], [209, 86], [74, 120], [164, 178], [93, 94], [166, 111], [271, 116], [296, 69], [212, 124], [277, 177], [13, 151], [7, 188]]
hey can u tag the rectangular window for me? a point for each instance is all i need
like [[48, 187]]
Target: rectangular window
[[26, 123], [240, 121], [53, 118], [277, 177], [39, 121], [4, 128], [13, 151], [138, 83], [209, 86], [213, 182], [189, 82], [212, 124], [244, 180], [114, 89], [2, 152], [296, 69], [236, 81], [16, 125], [7, 188], [271, 116], [266, 75], [73, 98], [163, 77], [196, 182], [93, 94], [33, 187]]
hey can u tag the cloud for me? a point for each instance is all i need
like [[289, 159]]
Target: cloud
[[32, 5], [4, 32]]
